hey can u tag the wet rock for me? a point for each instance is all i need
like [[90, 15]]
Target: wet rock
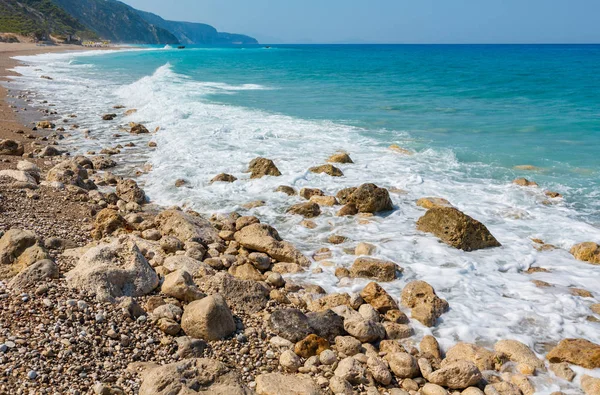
[[137, 128], [368, 198], [223, 178], [364, 249], [286, 189], [103, 163], [425, 304], [208, 319], [109, 117], [11, 147], [563, 371], [327, 201], [587, 252], [129, 191], [278, 383], [590, 385], [340, 157], [264, 238], [261, 167], [290, 324], [483, 358], [186, 227], [308, 193], [307, 210], [519, 353], [113, 270], [524, 182], [192, 376], [348, 209], [457, 229], [32, 275], [327, 169], [578, 352], [433, 202], [374, 269], [433, 389], [45, 125], [19, 249]]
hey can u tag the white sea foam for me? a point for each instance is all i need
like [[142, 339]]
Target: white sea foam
[[490, 296]]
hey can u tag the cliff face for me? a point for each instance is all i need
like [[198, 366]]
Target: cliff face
[[39, 18], [196, 33], [116, 21]]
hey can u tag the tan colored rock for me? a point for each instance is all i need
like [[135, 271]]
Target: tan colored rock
[[456, 375], [429, 345], [578, 352], [107, 223], [425, 304], [246, 272], [364, 249], [129, 191], [502, 388], [524, 182], [327, 201], [379, 370], [286, 189], [192, 376], [34, 274], [396, 316], [19, 249], [329, 302], [433, 202], [367, 198], [397, 331], [377, 297], [307, 210], [223, 177], [590, 385], [208, 319], [11, 147], [351, 370], [261, 167], [433, 389], [289, 361], [45, 125], [403, 365], [366, 331], [168, 326], [263, 238], [113, 270], [310, 346], [587, 252], [348, 345], [521, 381], [348, 209], [340, 157], [400, 150], [374, 269], [456, 229], [187, 264], [308, 193], [180, 285], [327, 169], [483, 358], [69, 172], [519, 353], [186, 227]]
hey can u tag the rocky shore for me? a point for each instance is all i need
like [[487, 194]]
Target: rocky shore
[[103, 292]]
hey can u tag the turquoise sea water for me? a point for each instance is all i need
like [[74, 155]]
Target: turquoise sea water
[[469, 114], [502, 105]]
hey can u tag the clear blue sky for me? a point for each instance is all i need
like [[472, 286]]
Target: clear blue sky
[[392, 21]]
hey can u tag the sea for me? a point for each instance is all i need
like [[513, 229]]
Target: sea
[[474, 118]]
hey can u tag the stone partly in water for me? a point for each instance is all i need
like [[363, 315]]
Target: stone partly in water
[[367, 198], [457, 229], [590, 385], [137, 128], [340, 157], [191, 376], [579, 352], [261, 167], [519, 353], [587, 252], [223, 177], [374, 269], [208, 319], [307, 210], [129, 191], [327, 169], [524, 182], [425, 304], [433, 202], [113, 270]]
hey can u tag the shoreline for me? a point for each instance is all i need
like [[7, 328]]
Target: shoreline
[[164, 239]]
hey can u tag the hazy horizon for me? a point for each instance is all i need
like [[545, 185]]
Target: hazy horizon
[[393, 21]]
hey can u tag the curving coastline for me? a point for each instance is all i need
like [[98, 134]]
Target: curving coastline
[[239, 258]]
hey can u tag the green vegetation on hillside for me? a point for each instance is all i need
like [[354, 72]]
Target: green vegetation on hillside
[[39, 18]]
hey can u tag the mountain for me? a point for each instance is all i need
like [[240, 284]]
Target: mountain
[[116, 21], [39, 18], [196, 33]]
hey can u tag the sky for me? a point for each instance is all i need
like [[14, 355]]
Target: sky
[[392, 21]]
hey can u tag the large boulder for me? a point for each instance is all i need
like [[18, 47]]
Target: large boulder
[[261, 167], [377, 297], [279, 384], [579, 352], [519, 353], [32, 275], [208, 319], [113, 270], [425, 304], [327, 169], [187, 227], [457, 229], [18, 250], [129, 191], [367, 198], [587, 252], [243, 295], [373, 269], [193, 376], [264, 238], [69, 172], [291, 324], [11, 147]]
